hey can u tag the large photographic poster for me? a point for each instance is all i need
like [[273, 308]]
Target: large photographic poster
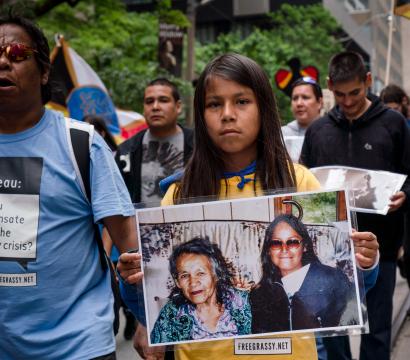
[[369, 190], [236, 268]]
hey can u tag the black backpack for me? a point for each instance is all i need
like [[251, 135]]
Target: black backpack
[[79, 137]]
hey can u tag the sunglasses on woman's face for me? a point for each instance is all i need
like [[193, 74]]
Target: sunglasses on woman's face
[[16, 52], [277, 245]]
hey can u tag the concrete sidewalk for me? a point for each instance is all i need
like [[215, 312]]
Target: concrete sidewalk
[[401, 350], [401, 303]]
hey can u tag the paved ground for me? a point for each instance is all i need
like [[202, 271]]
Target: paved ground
[[125, 350], [401, 350], [401, 303]]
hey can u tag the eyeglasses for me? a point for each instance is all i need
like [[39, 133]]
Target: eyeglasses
[[16, 52], [277, 245]]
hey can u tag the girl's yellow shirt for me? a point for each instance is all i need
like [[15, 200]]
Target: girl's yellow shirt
[[282, 347]]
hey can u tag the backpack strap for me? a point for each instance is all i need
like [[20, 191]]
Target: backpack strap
[[79, 136]]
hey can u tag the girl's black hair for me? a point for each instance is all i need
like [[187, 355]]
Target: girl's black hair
[[204, 170], [39, 42], [223, 270], [102, 129], [270, 272]]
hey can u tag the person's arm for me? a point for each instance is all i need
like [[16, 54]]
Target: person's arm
[[370, 277], [124, 235], [123, 232], [134, 299], [397, 200], [107, 242], [129, 268], [367, 255], [366, 248], [125, 268]]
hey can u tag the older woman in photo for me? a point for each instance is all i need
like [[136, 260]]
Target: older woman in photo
[[204, 303], [296, 291]]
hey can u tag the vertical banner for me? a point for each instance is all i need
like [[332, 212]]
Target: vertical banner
[[170, 48]]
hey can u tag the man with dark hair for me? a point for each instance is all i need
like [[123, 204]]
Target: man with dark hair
[[161, 150], [362, 132], [152, 155], [56, 299], [395, 98]]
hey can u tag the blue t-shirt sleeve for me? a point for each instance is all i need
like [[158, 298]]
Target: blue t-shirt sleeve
[[133, 297], [109, 193]]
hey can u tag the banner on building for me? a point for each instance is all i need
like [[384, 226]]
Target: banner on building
[[170, 48]]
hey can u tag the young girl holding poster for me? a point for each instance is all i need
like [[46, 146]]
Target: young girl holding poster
[[239, 152]]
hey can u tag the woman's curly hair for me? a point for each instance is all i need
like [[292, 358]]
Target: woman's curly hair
[[223, 270]]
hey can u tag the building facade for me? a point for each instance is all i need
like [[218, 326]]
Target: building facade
[[367, 23]]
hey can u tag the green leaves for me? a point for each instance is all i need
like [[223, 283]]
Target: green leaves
[[297, 31], [122, 46]]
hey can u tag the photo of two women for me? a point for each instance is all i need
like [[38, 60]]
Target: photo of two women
[[260, 266]]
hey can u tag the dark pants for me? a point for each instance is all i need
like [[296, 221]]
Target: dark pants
[[106, 357], [406, 247], [338, 348], [169, 354], [376, 345]]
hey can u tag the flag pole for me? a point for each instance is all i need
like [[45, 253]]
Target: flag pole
[[389, 44]]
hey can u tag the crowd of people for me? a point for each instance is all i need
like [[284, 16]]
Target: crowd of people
[[56, 295]]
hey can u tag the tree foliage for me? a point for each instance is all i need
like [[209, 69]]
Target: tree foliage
[[120, 46], [297, 31], [33, 8]]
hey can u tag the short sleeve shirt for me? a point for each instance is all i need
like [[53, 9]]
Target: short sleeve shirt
[[161, 157], [56, 302]]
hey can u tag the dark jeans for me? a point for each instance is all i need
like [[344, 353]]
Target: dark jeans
[[376, 345], [169, 354], [406, 247], [106, 357], [338, 348]]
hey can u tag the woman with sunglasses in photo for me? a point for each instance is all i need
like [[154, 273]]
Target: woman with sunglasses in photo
[[301, 292], [239, 152]]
